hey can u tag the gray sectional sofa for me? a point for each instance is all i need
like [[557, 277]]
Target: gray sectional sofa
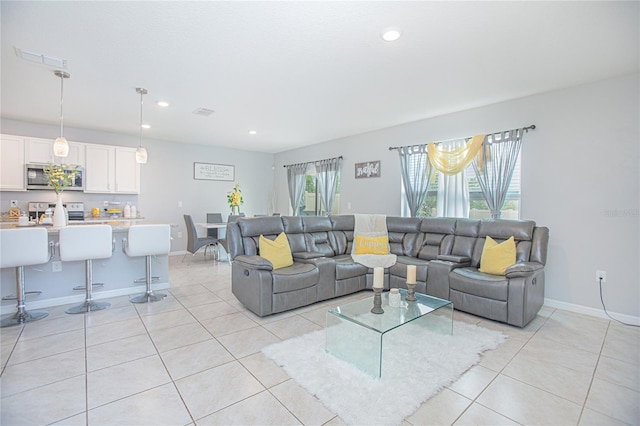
[[446, 252]]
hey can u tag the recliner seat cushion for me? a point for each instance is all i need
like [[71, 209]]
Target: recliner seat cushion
[[347, 268], [472, 281], [295, 277]]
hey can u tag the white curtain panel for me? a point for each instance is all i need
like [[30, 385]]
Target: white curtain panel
[[453, 190]]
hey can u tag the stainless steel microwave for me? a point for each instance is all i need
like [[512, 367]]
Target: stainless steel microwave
[[36, 178]]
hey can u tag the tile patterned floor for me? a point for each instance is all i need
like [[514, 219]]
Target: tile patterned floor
[[194, 359]]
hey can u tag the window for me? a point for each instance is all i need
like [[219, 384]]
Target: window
[[478, 208], [312, 204]]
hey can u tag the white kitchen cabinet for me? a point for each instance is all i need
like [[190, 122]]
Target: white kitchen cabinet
[[127, 176], [40, 151], [111, 169], [12, 170]]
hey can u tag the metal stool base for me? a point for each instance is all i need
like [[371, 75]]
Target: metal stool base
[[148, 298], [23, 318], [88, 306]]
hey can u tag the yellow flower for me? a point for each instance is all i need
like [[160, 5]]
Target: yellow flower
[[234, 198], [60, 176]]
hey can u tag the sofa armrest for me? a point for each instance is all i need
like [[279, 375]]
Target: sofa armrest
[[523, 269], [254, 262], [462, 260], [306, 255]]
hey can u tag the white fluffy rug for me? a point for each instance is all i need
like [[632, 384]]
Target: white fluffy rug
[[410, 376]]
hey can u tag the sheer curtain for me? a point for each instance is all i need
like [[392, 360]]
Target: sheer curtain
[[416, 175], [296, 180], [453, 190], [327, 175], [495, 167]]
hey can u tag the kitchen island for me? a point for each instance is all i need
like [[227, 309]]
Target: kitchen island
[[57, 279]]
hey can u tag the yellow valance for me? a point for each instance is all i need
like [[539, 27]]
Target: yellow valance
[[453, 162]]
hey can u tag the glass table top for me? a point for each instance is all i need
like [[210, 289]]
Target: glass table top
[[360, 311]]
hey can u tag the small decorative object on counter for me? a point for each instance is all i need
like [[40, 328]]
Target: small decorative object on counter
[[127, 211], [95, 212], [23, 220], [378, 284], [134, 212], [394, 298], [59, 176], [60, 217], [234, 198]]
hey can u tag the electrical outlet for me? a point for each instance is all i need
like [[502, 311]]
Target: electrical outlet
[[601, 275], [14, 203], [179, 234], [179, 204], [56, 266]]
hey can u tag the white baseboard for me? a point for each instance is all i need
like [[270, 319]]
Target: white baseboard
[[80, 297], [600, 313]]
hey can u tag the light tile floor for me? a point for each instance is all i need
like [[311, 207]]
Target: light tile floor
[[195, 358]]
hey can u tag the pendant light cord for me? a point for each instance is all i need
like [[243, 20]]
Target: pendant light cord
[[141, 102], [61, 102]]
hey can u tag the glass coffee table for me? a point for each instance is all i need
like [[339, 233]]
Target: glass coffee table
[[362, 338]]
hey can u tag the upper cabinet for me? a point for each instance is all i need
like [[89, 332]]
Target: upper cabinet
[[12, 171], [111, 169], [40, 151], [107, 169]]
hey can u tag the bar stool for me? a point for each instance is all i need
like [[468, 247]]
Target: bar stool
[[86, 242], [147, 240], [20, 248]]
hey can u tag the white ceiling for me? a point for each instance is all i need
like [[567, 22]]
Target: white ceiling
[[299, 73]]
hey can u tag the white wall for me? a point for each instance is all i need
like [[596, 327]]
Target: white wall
[[166, 179], [580, 177]]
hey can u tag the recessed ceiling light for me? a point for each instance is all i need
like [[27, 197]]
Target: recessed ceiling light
[[252, 132], [390, 34], [146, 126], [162, 104]]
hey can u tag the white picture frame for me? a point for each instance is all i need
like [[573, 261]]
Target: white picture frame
[[210, 171]]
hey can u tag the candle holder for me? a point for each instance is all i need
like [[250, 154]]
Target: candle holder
[[377, 301], [411, 292]]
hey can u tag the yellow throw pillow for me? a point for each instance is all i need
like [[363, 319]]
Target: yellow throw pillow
[[496, 258], [277, 251], [372, 245]]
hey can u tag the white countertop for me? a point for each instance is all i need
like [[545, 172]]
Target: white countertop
[[116, 224]]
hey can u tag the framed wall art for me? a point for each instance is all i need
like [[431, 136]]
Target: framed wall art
[[207, 171], [368, 169]]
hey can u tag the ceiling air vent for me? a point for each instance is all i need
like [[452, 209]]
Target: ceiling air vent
[[205, 112], [41, 58]]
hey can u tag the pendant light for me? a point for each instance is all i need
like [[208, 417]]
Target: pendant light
[[141, 153], [60, 145]]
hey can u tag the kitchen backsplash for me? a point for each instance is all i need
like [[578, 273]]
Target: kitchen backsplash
[[90, 200]]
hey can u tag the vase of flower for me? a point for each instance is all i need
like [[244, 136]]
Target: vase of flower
[[234, 198], [58, 178], [59, 213]]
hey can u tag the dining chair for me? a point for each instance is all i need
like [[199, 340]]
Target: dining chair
[[234, 217], [195, 243]]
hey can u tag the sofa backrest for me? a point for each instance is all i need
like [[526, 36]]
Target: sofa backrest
[[317, 230], [342, 234], [436, 237], [501, 230], [250, 230], [465, 236], [403, 235]]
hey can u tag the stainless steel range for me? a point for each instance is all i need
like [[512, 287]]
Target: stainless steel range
[[37, 209]]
